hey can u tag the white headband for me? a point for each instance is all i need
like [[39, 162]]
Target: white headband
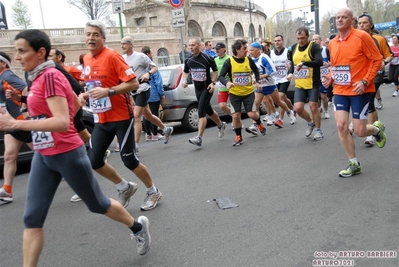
[[5, 60]]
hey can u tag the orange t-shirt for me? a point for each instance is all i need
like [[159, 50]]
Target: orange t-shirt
[[74, 71], [353, 59], [384, 48], [107, 69]]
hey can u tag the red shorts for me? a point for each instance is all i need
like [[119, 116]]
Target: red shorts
[[223, 96]]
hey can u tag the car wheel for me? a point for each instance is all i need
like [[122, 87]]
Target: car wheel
[[190, 120]]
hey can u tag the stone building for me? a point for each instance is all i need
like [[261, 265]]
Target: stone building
[[149, 22]]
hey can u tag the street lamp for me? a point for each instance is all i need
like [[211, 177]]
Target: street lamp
[[304, 18], [251, 27]]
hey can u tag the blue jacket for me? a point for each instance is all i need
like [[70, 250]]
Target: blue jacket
[[156, 90]]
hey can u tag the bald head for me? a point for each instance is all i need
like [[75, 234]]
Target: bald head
[[344, 20], [316, 38], [127, 45]]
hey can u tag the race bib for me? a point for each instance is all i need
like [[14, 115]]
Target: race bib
[[342, 75], [242, 78], [198, 75], [100, 105], [281, 71], [324, 70], [40, 139], [303, 73]]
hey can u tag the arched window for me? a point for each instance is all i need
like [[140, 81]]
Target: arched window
[[238, 31], [163, 57], [193, 29], [218, 29], [251, 32]]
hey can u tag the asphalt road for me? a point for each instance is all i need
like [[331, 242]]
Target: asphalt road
[[292, 204]]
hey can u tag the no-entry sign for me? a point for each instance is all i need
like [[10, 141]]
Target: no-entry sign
[[176, 3]]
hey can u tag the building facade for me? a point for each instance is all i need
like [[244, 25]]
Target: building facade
[[149, 22]]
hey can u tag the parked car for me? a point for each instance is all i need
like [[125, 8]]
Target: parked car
[[181, 104], [25, 153]]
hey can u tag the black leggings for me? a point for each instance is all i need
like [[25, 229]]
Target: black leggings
[[393, 74], [204, 102], [148, 126]]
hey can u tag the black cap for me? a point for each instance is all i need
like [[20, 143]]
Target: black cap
[[332, 36], [220, 45]]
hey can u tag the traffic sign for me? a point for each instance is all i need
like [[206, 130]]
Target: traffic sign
[[117, 6], [178, 18], [178, 13], [176, 3]]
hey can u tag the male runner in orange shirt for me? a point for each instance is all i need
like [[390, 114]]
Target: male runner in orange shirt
[[355, 61], [109, 81]]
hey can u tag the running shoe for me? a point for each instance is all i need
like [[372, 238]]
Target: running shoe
[[274, 117], [326, 115], [269, 121], [318, 135], [252, 129], [151, 200], [222, 129], [370, 141], [196, 141], [5, 196], [75, 198], [117, 149], [352, 169], [380, 138], [395, 93], [238, 141], [379, 104], [124, 196], [292, 116], [330, 103], [106, 155], [157, 137], [262, 129], [266, 117], [279, 123], [167, 134], [148, 138], [143, 238], [310, 128]]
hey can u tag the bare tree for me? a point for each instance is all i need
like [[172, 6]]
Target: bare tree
[[20, 15], [93, 9]]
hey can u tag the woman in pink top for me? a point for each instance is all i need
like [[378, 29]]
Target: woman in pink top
[[394, 64], [59, 152]]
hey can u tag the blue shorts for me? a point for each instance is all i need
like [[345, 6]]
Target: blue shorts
[[323, 90], [358, 104], [267, 90]]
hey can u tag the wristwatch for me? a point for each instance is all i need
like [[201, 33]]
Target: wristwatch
[[365, 83], [111, 92]]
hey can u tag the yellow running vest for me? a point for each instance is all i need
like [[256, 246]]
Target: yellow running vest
[[303, 77], [242, 78]]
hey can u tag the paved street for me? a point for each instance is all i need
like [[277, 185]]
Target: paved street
[[291, 204]]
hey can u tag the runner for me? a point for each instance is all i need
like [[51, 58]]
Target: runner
[[307, 60], [200, 65], [240, 68], [353, 74], [59, 152]]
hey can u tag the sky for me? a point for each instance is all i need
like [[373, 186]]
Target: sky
[[59, 14]]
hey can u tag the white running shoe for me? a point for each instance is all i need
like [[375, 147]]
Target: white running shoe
[[292, 117], [370, 140], [326, 115]]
